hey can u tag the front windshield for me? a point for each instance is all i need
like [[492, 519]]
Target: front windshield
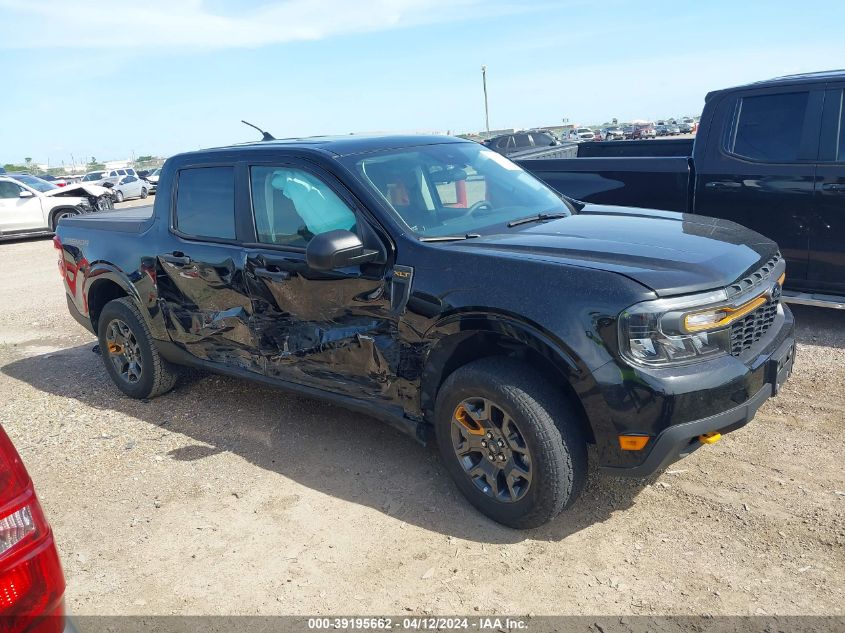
[[94, 175], [454, 188], [35, 183]]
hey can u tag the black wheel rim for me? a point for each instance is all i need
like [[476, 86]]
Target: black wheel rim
[[123, 351], [491, 449]]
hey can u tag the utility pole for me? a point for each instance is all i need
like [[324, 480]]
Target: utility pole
[[486, 112]]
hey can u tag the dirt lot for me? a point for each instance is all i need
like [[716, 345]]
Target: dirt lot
[[224, 497]]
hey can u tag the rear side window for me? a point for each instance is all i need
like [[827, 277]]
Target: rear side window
[[769, 128], [205, 202]]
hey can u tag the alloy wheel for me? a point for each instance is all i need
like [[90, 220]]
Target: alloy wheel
[[123, 351], [491, 449]]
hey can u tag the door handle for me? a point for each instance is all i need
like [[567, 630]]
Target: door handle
[[722, 184], [176, 257], [273, 275], [832, 186]]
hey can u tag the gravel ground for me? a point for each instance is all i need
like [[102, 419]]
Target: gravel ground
[[226, 497]]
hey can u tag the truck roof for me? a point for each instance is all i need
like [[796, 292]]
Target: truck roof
[[342, 145], [798, 79]]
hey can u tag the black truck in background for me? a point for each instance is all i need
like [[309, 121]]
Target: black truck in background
[[768, 155]]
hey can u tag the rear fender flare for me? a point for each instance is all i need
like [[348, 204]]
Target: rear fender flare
[[142, 290]]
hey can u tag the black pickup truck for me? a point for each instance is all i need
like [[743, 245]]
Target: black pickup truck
[[768, 155], [433, 283]]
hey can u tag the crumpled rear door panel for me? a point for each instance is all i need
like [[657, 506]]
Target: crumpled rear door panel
[[208, 308]]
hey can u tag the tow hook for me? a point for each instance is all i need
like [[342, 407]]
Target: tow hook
[[709, 438]]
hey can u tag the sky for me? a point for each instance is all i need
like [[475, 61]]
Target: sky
[[113, 79]]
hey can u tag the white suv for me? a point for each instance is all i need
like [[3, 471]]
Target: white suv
[[31, 206]]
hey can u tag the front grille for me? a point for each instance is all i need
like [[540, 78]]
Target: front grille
[[751, 328]]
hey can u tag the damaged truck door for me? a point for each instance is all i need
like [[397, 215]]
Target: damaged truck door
[[323, 318], [208, 307]]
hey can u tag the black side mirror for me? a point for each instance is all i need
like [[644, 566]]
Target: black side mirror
[[337, 249]]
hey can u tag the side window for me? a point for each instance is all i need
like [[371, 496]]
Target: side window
[[205, 202], [291, 206], [769, 127], [9, 190], [522, 140]]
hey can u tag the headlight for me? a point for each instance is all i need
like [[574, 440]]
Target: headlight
[[681, 330]]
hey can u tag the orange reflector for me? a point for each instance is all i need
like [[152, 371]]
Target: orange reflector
[[781, 279], [633, 442], [709, 438], [463, 417]]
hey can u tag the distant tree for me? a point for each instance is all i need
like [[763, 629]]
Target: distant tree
[[14, 167], [93, 165], [144, 159]]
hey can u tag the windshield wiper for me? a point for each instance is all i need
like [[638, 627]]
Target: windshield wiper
[[539, 217], [448, 238]]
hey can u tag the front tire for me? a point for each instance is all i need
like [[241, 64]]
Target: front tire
[[58, 215], [129, 353], [510, 441], [119, 196], [143, 193]]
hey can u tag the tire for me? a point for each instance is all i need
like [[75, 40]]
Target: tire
[[58, 215], [546, 428], [143, 193], [119, 196], [147, 374]]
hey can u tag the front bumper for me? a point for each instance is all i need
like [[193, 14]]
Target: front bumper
[[675, 407]]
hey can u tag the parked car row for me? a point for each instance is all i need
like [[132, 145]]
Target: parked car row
[[125, 183]]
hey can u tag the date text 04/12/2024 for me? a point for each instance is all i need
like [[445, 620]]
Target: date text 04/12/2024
[[417, 623]]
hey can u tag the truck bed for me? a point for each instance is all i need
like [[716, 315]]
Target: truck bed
[[655, 182], [131, 220]]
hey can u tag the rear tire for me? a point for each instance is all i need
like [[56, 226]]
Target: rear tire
[[143, 193], [129, 352], [546, 444]]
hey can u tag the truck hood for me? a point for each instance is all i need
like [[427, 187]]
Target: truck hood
[[78, 190], [670, 253]]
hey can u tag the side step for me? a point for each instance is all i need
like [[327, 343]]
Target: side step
[[818, 300]]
